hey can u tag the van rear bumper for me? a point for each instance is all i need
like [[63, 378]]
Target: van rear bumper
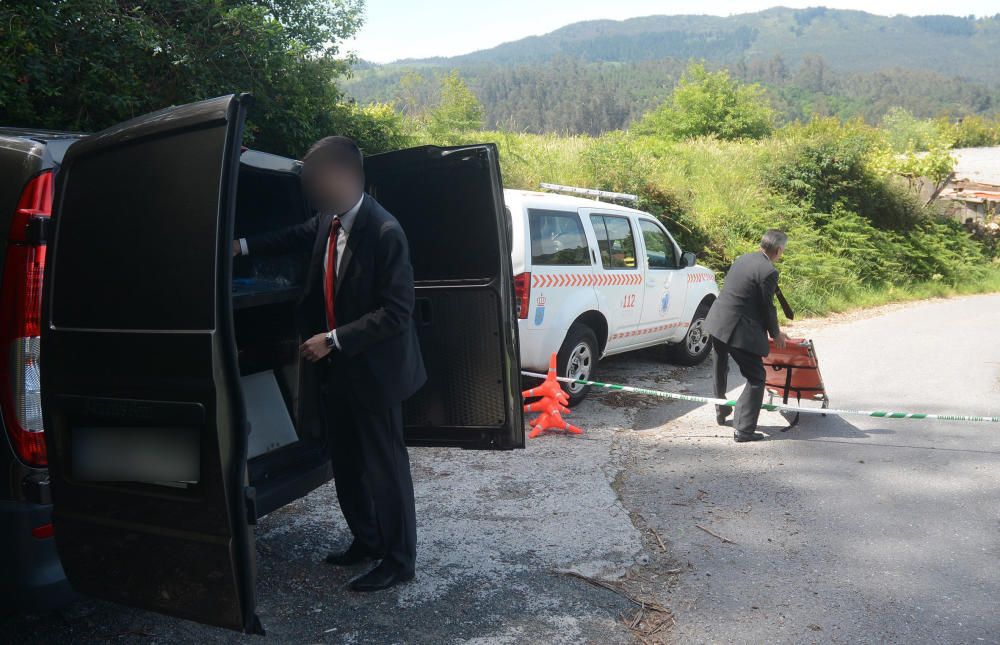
[[33, 578]]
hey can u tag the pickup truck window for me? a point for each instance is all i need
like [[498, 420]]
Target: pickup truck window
[[659, 249], [557, 239], [615, 239]]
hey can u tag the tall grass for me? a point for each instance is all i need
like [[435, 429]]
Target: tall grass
[[857, 238]]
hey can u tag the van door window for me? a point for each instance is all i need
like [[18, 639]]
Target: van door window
[[659, 249], [615, 239], [557, 239]]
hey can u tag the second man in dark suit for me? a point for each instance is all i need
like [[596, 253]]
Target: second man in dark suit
[[739, 323], [355, 320]]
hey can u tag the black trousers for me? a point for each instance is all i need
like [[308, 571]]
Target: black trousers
[[371, 469], [752, 368]]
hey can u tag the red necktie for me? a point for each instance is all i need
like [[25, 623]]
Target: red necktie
[[331, 273]]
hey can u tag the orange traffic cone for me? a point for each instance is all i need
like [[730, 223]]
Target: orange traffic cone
[[552, 405]]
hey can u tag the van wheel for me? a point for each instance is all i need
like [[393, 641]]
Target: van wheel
[[696, 345], [577, 359]]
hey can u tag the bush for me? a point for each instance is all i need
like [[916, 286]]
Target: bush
[[377, 127], [972, 131], [905, 132], [457, 112], [857, 235], [833, 171], [711, 104]]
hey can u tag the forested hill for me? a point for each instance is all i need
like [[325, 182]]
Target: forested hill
[[848, 40], [598, 75]]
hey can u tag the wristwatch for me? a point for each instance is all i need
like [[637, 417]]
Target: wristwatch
[[329, 340]]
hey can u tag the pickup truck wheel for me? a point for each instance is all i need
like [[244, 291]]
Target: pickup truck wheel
[[577, 359], [696, 345]]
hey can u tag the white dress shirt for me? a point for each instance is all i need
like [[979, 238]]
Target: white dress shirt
[[346, 223]]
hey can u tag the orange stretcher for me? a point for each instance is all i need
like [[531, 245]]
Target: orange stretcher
[[794, 370]]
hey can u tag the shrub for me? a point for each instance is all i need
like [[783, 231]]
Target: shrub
[[377, 127], [857, 234], [711, 104]]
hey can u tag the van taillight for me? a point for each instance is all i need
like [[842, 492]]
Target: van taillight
[[522, 293], [20, 321]]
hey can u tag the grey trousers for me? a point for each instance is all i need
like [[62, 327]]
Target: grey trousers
[[752, 368]]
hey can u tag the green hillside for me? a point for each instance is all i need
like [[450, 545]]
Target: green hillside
[[596, 76], [850, 40]]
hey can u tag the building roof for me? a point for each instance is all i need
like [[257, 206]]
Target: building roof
[[977, 165]]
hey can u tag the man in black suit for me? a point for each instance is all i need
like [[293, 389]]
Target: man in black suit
[[739, 323], [355, 317]]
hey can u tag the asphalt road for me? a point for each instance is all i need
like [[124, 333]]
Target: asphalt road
[[841, 530], [845, 529]]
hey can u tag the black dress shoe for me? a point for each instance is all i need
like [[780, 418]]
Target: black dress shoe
[[385, 575], [740, 437], [355, 554], [722, 413]]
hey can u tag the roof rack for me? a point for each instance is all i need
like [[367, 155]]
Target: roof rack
[[591, 192]]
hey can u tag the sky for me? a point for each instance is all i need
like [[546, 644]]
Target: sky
[[396, 29]]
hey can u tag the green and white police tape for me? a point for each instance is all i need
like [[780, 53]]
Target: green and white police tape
[[774, 406]]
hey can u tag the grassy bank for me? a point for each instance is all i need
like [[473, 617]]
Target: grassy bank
[[859, 236], [863, 299]]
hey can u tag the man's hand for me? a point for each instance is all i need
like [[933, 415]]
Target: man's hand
[[781, 340], [315, 348], [236, 248]]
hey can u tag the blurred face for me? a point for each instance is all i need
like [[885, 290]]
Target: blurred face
[[777, 255], [331, 187]]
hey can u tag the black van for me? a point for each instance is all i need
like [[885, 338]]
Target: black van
[[159, 350], [31, 578]]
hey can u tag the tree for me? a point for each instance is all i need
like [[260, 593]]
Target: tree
[[87, 64], [711, 104], [458, 110], [414, 94], [905, 132]]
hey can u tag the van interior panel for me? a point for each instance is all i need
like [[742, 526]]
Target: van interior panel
[[287, 454]]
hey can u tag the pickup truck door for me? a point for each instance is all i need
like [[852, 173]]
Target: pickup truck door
[[144, 417], [449, 202]]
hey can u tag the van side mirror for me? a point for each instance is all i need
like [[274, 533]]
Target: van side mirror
[[688, 259]]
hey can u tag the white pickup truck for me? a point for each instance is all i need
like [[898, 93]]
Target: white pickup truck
[[594, 279]]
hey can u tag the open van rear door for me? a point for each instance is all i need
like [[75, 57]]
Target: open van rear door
[[144, 419], [449, 201]]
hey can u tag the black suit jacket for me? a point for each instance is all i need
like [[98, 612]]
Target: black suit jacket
[[744, 314], [379, 353]]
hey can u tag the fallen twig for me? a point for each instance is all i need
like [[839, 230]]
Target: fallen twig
[[610, 586], [645, 625], [659, 540], [649, 619], [714, 534]]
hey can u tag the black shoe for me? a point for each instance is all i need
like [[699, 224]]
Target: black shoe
[[385, 575], [722, 413], [740, 437], [355, 554]]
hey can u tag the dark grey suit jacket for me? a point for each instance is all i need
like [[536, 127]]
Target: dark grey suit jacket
[[744, 313], [379, 353]]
